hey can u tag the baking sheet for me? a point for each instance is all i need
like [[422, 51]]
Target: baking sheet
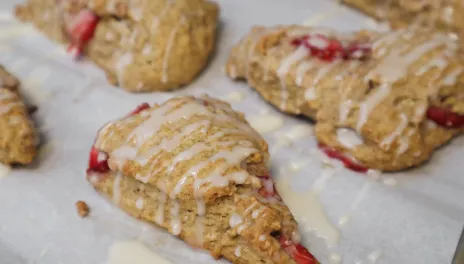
[[419, 220]]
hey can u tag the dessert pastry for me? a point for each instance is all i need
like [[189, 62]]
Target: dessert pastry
[[18, 139], [439, 14], [195, 167], [142, 45], [381, 100]]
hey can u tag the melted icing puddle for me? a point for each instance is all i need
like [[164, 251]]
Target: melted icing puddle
[[265, 123], [130, 252], [309, 213]]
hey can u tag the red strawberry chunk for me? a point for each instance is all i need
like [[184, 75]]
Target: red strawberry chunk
[[139, 109], [328, 49], [81, 31], [299, 253], [445, 117], [98, 161], [348, 162]]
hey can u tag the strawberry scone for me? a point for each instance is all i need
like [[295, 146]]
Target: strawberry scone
[[195, 167], [444, 15], [381, 101], [18, 138], [143, 45]]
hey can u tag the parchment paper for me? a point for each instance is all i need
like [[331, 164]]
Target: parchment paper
[[417, 221]]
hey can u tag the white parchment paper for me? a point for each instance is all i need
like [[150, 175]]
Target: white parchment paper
[[417, 221]]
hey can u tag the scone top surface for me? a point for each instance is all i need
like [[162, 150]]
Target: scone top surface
[[143, 45], [161, 145], [203, 169], [381, 85], [18, 139]]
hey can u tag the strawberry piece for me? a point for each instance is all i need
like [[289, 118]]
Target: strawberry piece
[[348, 162], [328, 49], [81, 31], [445, 117], [299, 253], [139, 109], [98, 161]]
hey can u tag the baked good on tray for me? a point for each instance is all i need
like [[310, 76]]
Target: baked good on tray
[[143, 45], [443, 15], [18, 138], [195, 167], [381, 100]]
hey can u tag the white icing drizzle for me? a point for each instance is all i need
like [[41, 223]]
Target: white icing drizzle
[[156, 19], [139, 203], [349, 138], [370, 103], [396, 64], [121, 65], [235, 220], [169, 45], [176, 224], [262, 237], [300, 53], [159, 216], [238, 251], [386, 142]]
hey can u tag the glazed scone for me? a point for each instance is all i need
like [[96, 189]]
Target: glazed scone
[[18, 138], [444, 15], [379, 90], [143, 45], [195, 167]]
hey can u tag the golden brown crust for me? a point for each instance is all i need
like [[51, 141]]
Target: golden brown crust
[[142, 45], [195, 167], [442, 15], [18, 139], [384, 97]]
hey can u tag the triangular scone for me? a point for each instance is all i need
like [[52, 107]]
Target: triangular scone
[[440, 14], [195, 167], [18, 138], [143, 45], [381, 89]]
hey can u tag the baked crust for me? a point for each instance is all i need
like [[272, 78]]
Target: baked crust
[[381, 100], [18, 138], [196, 168], [443, 15], [142, 45]]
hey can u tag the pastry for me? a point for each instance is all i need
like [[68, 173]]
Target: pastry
[[142, 45], [439, 14], [195, 167], [18, 138], [395, 97]]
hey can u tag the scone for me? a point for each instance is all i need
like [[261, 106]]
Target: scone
[[18, 138], [444, 15], [378, 91], [195, 167], [143, 45]]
